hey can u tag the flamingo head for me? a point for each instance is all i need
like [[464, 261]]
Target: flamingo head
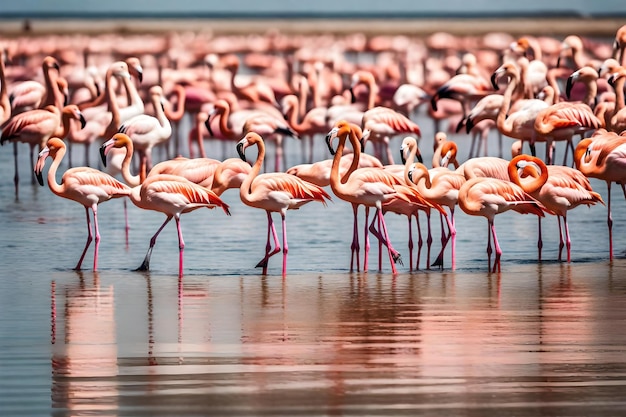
[[119, 140]]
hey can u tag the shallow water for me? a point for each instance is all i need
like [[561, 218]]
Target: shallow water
[[538, 338]]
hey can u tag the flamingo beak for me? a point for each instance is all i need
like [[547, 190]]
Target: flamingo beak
[[419, 158], [329, 138], [494, 80], [104, 149], [569, 85], [208, 125], [240, 151], [352, 95], [83, 122]]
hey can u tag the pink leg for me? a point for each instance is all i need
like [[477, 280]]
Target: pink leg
[[94, 208], [489, 250], [285, 247], [383, 241], [53, 313], [609, 221], [268, 254], [145, 265], [444, 243], [89, 239], [496, 262], [367, 241], [354, 248], [429, 240], [561, 240], [410, 242], [181, 247], [419, 242], [392, 261], [568, 242]]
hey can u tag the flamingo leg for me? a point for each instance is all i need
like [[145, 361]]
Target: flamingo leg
[[496, 245], [539, 239], [181, 247], [268, 254], [94, 208], [126, 224], [145, 265], [32, 165], [390, 249], [489, 249], [429, 240], [382, 240], [285, 247], [609, 220], [410, 242], [451, 235], [16, 177], [354, 248], [89, 239], [419, 242], [366, 242], [568, 242], [561, 240]]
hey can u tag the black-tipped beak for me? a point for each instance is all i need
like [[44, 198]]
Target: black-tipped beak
[[611, 81], [140, 75], [362, 142], [66, 100], [39, 176], [83, 122], [410, 175], [494, 81], [97, 89], [460, 125], [433, 102], [352, 96], [558, 62], [330, 148], [208, 126], [242, 155], [568, 86], [419, 158], [402, 158], [469, 124], [56, 66], [103, 156]]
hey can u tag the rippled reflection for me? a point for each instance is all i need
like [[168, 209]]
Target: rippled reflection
[[84, 354]]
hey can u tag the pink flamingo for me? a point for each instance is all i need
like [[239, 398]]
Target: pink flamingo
[[490, 196], [274, 192], [371, 187], [172, 195], [557, 188], [84, 185], [603, 156]]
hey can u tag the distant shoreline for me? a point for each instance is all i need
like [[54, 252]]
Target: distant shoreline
[[555, 26]]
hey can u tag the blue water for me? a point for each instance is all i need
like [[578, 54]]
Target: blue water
[[537, 338]]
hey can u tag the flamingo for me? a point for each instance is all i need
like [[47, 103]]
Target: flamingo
[[442, 189], [148, 131], [172, 195], [619, 45], [370, 187], [490, 196], [274, 192], [35, 127], [84, 185], [557, 188], [618, 119], [562, 121], [603, 156], [382, 122]]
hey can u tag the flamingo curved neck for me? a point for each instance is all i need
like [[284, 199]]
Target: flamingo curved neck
[[336, 184], [504, 127], [224, 116], [529, 186], [176, 115], [55, 187], [245, 190], [130, 179]]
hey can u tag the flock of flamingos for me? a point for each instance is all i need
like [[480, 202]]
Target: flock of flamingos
[[129, 95]]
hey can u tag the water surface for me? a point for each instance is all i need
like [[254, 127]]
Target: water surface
[[538, 338]]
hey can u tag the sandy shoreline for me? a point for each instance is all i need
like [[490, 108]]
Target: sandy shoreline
[[476, 26]]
